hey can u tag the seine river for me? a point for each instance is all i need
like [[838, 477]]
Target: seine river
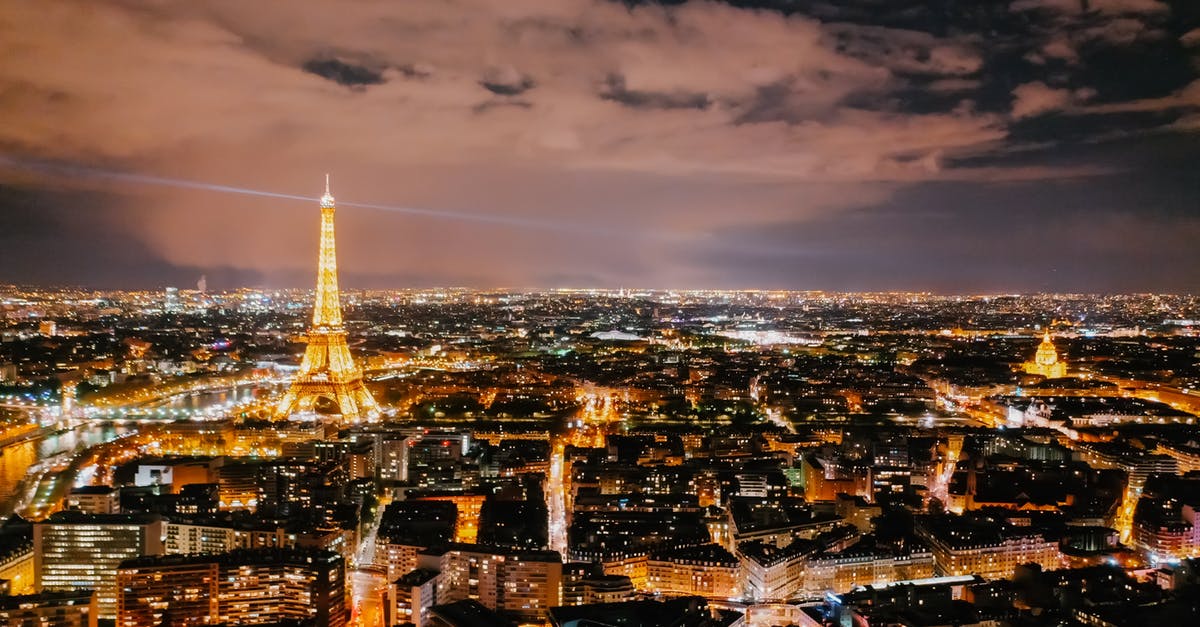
[[16, 459], [213, 399]]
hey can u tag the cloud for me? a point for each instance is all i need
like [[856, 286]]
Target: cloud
[[954, 84], [1104, 7], [693, 84], [670, 122], [1190, 122], [907, 51], [498, 103], [1079, 234], [1060, 49], [415, 70], [1037, 98], [506, 81], [1185, 98], [614, 89], [343, 73], [1120, 7], [1072, 24], [1124, 31]]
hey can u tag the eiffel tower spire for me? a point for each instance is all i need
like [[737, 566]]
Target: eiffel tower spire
[[328, 371], [328, 310]]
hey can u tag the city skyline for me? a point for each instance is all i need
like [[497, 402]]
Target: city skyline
[[552, 313], [709, 459], [1026, 146]]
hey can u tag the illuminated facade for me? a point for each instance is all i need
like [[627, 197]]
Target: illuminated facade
[[400, 557], [634, 566], [840, 572], [16, 567], [183, 536], [1187, 457], [412, 595], [94, 500], [771, 573], [992, 556], [75, 608], [585, 583], [237, 588], [523, 585], [1162, 540], [469, 504], [1045, 361], [708, 571], [824, 479], [185, 588], [328, 371], [73, 550]]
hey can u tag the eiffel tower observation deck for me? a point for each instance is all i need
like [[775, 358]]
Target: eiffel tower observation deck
[[328, 370]]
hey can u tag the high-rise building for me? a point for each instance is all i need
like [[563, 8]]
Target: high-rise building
[[522, 585], [407, 528], [435, 459], [392, 458], [171, 302], [74, 550], [412, 596], [186, 536], [171, 590], [238, 588], [328, 371]]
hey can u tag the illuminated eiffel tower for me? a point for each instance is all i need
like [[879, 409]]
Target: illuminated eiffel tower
[[328, 371]]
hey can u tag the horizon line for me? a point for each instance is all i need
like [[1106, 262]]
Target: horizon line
[[4, 287]]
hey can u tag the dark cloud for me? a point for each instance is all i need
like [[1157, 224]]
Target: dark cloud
[[771, 103], [614, 89], [1050, 126], [343, 73], [415, 70], [75, 238], [1128, 231], [908, 53], [507, 81]]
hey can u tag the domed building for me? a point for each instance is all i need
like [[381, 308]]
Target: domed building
[[1045, 362]]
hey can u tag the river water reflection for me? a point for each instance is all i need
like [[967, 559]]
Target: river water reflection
[[198, 401], [17, 459]]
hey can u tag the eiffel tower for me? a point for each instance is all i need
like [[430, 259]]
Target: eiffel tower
[[328, 370]]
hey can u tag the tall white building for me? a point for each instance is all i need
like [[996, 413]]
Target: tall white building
[[74, 550]]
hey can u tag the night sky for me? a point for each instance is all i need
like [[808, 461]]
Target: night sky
[[949, 145]]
